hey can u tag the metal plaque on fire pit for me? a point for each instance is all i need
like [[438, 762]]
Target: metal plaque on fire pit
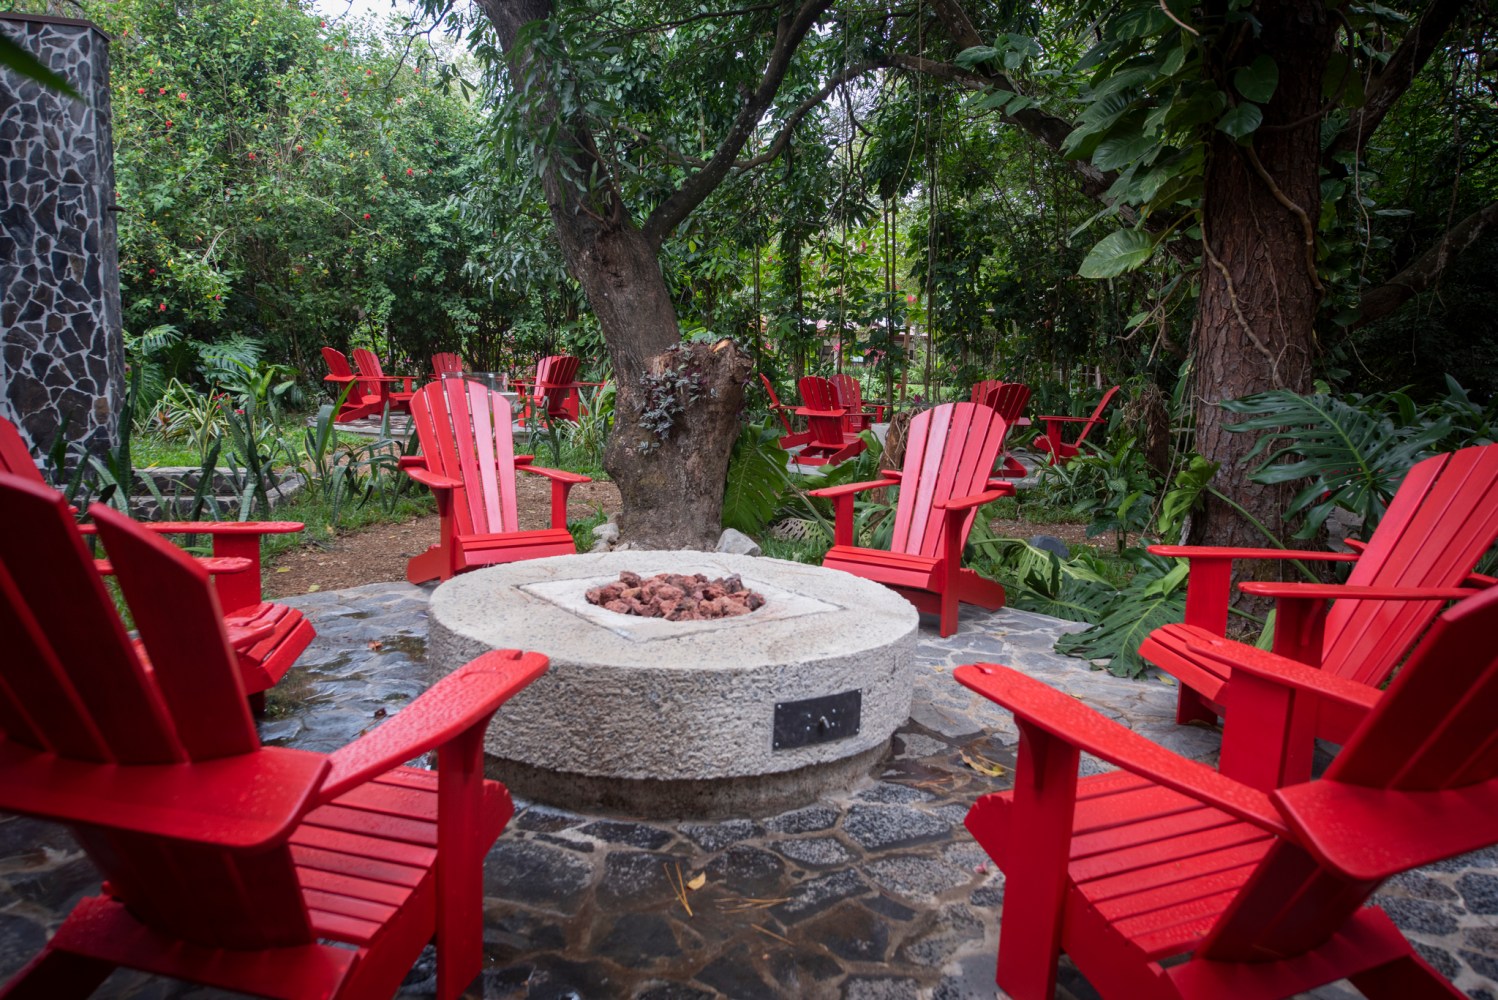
[[817, 720]]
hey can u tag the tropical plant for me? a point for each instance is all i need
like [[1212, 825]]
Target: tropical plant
[[1350, 454]]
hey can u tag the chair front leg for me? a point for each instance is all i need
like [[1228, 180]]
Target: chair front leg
[[1035, 879], [460, 858], [842, 525], [559, 490]]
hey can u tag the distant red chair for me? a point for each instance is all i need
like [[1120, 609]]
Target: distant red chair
[[552, 395], [261, 870], [1441, 522], [1054, 443], [827, 442], [378, 383], [792, 437], [447, 363], [267, 638], [363, 399], [1009, 399], [949, 452], [1168, 879], [850, 396], [468, 461]]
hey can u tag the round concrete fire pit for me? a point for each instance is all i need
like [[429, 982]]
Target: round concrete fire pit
[[743, 715]]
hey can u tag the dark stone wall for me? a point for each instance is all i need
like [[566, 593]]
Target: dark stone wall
[[62, 359]]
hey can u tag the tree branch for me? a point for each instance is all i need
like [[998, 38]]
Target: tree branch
[[1391, 81], [1427, 268], [788, 35]]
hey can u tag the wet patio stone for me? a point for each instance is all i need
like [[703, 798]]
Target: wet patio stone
[[876, 891]]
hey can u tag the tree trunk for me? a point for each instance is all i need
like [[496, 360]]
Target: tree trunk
[[1259, 293], [671, 483]]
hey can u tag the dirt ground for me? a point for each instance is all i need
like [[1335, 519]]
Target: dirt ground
[[378, 554]]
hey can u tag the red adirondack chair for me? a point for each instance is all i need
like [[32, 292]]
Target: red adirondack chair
[[792, 437], [1009, 399], [827, 442], [364, 398], [949, 451], [468, 461], [1442, 520], [276, 872], [267, 638], [1130, 872], [850, 398], [552, 394], [446, 363], [376, 382], [1053, 443]]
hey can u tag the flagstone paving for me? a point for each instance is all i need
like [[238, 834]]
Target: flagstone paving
[[876, 892]]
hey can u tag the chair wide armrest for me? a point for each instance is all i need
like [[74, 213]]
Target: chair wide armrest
[[806, 411], [243, 802], [1334, 591], [432, 480], [976, 500], [848, 489], [1073, 722], [1225, 552], [223, 527], [1241, 657], [465, 698], [558, 475], [1372, 833], [1067, 420]]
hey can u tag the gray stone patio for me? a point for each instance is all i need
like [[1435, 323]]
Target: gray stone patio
[[875, 892]]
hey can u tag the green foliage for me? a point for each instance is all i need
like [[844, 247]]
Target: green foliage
[[1154, 597], [293, 181], [757, 479], [1349, 453]]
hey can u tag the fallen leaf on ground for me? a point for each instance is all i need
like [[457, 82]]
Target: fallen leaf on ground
[[983, 765], [698, 882], [376, 644]]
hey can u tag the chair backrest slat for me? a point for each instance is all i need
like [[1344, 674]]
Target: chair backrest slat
[[554, 377], [447, 362], [370, 370], [1097, 416], [949, 452], [75, 621], [337, 363], [849, 395], [466, 434], [1010, 400], [180, 623], [1441, 521], [15, 457]]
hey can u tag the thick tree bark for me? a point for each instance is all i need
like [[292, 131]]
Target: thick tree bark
[[1259, 293]]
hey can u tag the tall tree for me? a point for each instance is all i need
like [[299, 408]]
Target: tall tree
[[677, 409]]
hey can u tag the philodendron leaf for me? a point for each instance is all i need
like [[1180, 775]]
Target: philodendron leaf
[[1241, 121], [1117, 253], [1258, 79], [1113, 154]]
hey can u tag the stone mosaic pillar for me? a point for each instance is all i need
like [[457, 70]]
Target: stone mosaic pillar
[[62, 359]]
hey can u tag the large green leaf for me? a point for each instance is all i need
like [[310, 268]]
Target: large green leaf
[[1117, 253], [1258, 80], [1241, 121], [756, 480], [1346, 455], [1116, 153], [1152, 599]]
